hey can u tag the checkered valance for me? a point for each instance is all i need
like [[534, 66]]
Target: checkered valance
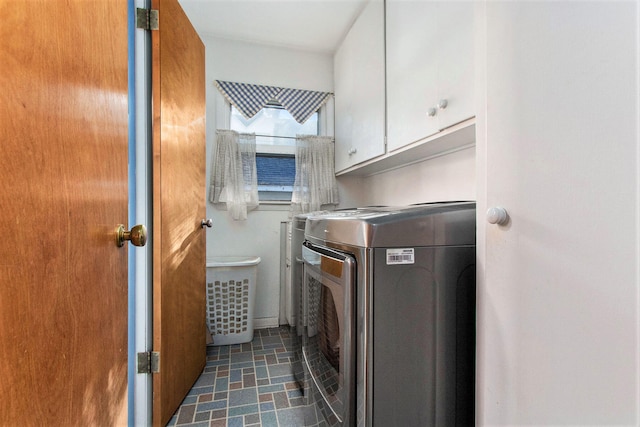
[[250, 98]]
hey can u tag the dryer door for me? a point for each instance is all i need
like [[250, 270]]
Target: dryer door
[[328, 351]]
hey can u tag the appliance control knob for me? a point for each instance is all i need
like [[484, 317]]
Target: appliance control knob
[[497, 215]]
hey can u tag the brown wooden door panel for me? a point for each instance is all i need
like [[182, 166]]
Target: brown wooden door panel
[[63, 168], [179, 206]]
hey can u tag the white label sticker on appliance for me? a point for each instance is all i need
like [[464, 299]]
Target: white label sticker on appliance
[[400, 256]]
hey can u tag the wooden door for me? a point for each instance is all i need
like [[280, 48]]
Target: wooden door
[[558, 148], [63, 175], [179, 206]]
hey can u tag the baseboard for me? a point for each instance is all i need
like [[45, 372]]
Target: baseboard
[[266, 322]]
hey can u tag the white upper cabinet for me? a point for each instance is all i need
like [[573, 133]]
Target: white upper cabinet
[[430, 73], [359, 90]]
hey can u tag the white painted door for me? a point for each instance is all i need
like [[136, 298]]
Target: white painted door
[[430, 68], [455, 62], [412, 71], [558, 301], [359, 90]]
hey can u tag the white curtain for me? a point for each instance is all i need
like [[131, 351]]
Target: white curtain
[[315, 182], [233, 173]]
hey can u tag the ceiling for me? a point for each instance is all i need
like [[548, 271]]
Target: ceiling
[[311, 25]]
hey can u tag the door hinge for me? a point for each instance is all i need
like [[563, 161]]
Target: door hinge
[[148, 362], [147, 19]]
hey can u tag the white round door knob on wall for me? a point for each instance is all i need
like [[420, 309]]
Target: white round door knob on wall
[[497, 215]]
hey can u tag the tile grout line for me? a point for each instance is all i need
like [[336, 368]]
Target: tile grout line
[[226, 417], [269, 375], [255, 375], [266, 367]]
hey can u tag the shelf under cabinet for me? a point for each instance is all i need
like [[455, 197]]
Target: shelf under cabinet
[[455, 138]]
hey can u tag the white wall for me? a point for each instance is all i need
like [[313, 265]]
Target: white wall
[[450, 177], [259, 235]]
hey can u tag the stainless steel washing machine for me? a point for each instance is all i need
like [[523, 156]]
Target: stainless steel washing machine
[[389, 297]]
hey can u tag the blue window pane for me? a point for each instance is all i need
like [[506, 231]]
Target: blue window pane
[[276, 175], [275, 170]]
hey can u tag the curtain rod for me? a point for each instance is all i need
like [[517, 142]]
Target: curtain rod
[[287, 137]]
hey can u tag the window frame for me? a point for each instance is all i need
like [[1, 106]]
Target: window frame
[[325, 128]]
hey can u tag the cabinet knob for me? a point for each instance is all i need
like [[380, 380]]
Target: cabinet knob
[[443, 104], [431, 112], [497, 215], [352, 151]]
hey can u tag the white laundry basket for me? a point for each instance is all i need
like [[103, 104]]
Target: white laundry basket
[[231, 290]]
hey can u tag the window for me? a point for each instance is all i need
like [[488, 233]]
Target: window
[[276, 132], [276, 174]]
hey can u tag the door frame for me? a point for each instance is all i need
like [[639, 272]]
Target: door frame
[[140, 212]]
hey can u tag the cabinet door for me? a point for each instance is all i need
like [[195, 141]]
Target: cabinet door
[[359, 90], [558, 148], [455, 76], [412, 71], [430, 59]]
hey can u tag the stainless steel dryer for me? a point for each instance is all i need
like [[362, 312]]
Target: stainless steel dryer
[[297, 301], [389, 297]]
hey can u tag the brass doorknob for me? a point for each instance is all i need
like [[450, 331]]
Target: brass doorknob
[[137, 236]]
